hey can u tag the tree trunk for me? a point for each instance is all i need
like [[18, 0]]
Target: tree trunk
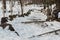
[[48, 14], [4, 4], [11, 5], [21, 6], [4, 7], [58, 4]]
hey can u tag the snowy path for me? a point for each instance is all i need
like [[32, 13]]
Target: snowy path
[[33, 29], [28, 30]]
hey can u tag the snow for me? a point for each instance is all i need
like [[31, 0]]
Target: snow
[[8, 35], [59, 15], [34, 7], [37, 15], [30, 29]]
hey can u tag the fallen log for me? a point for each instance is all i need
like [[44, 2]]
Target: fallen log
[[54, 31], [33, 22]]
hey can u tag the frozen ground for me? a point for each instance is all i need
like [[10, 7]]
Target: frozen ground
[[30, 29]]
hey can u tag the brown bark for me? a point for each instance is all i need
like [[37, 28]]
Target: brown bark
[[4, 7], [4, 4], [21, 6], [57, 4]]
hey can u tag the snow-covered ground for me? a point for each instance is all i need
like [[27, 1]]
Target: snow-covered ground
[[30, 29]]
